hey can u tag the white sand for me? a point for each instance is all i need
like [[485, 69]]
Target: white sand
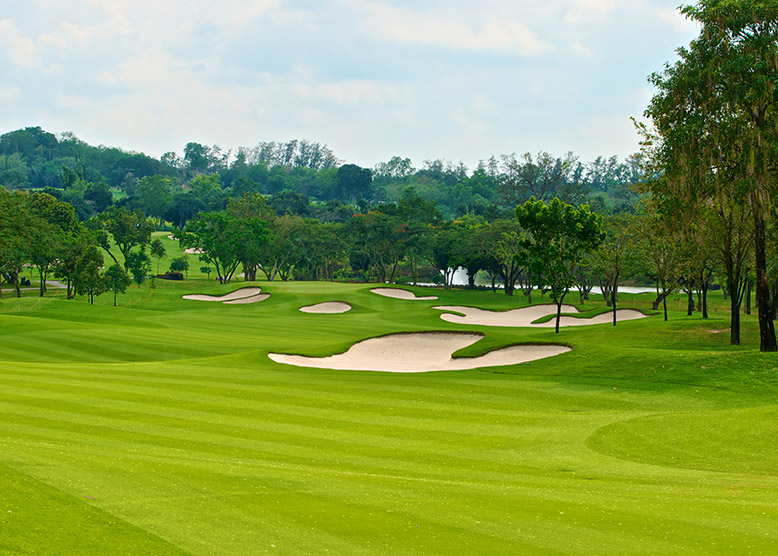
[[525, 316], [237, 294], [252, 299], [419, 352], [193, 250], [328, 307], [171, 236], [401, 294]]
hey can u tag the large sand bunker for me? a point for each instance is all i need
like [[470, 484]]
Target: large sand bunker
[[525, 316], [328, 307], [419, 352], [243, 295], [401, 294]]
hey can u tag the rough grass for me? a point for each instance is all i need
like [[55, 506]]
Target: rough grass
[[161, 427]]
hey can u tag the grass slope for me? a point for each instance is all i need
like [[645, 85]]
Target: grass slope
[[161, 427]]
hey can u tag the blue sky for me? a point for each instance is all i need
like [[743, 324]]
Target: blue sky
[[457, 80]]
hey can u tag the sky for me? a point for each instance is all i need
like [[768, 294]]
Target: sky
[[455, 80]]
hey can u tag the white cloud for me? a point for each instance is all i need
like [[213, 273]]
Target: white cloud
[[436, 28], [679, 22], [9, 95], [587, 11], [21, 49], [580, 50]]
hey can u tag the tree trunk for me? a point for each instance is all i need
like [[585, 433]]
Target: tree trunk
[[690, 302], [704, 301], [613, 289], [767, 341], [42, 277]]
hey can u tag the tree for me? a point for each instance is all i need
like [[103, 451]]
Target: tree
[[129, 229], [714, 116], [87, 278], [99, 195], [155, 195], [559, 238], [16, 236], [116, 280], [662, 251], [543, 178], [158, 250], [52, 220], [613, 256], [139, 265], [180, 264], [183, 209], [73, 245], [353, 182], [217, 236]]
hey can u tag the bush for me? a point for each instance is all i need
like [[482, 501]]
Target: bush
[[169, 275]]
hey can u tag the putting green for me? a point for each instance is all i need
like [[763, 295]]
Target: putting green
[[162, 427]]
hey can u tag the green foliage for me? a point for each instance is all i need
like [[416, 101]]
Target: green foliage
[[128, 229], [139, 266], [116, 280], [86, 277], [715, 135], [180, 264], [560, 236], [158, 250]]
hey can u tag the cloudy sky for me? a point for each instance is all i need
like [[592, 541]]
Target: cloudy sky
[[454, 79]]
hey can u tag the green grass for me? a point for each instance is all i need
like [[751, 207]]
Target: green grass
[[161, 427]]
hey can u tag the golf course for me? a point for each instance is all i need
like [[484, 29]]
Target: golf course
[[163, 426]]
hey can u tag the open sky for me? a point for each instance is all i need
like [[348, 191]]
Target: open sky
[[454, 79]]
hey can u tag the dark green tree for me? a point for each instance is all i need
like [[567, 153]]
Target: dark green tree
[[139, 266], [116, 280], [158, 250], [87, 278], [714, 116], [353, 182]]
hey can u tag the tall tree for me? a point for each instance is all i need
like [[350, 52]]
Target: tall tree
[[715, 113], [158, 250], [87, 277], [116, 280]]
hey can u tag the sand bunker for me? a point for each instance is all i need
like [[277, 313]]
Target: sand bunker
[[401, 294], [238, 295], [193, 250], [251, 299], [419, 352], [328, 307], [526, 315]]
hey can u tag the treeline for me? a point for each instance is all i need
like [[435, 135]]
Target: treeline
[[306, 175]]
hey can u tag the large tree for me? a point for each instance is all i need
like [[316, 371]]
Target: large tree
[[715, 113], [128, 228]]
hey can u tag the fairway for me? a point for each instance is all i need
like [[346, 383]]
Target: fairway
[[162, 426]]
